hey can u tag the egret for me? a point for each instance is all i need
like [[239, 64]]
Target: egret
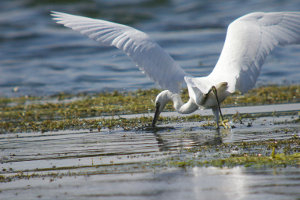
[[248, 41]]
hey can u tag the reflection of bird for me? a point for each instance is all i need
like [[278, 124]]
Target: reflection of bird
[[249, 40]]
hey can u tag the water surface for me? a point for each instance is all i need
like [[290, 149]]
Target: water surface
[[118, 164], [39, 57]]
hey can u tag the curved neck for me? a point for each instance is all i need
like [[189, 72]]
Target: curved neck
[[186, 108]]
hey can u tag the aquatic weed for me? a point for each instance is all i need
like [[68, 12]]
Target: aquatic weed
[[58, 112]]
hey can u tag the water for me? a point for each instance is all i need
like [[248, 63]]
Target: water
[[39, 57], [235, 183], [114, 164]]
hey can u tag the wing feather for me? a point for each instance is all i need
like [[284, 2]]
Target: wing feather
[[146, 53], [249, 40]]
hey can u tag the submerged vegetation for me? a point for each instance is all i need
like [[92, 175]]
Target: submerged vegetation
[[269, 153], [266, 95], [104, 111], [63, 111], [256, 154], [278, 160]]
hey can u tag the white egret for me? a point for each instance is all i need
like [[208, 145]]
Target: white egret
[[249, 40]]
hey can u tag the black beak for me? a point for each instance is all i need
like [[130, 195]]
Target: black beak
[[156, 115]]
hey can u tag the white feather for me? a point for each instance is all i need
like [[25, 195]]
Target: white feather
[[249, 40], [146, 53]]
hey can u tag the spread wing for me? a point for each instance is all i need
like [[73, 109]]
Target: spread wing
[[249, 40], [147, 54]]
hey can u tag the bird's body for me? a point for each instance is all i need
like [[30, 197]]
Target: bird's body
[[249, 40]]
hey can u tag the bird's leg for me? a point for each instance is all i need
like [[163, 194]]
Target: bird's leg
[[216, 113], [223, 122]]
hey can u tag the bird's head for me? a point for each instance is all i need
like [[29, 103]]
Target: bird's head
[[160, 102]]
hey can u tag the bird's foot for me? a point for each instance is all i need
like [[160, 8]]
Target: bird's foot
[[225, 124]]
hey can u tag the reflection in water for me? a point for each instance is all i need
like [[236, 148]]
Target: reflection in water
[[114, 164], [161, 143], [226, 183], [187, 141]]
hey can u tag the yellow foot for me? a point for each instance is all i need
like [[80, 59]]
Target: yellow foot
[[225, 124]]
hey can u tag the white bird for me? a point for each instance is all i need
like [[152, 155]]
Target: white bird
[[249, 40]]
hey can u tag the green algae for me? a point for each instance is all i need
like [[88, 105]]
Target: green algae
[[278, 160], [255, 154], [114, 103], [65, 111], [126, 124], [76, 124], [251, 154], [55, 173], [254, 161], [266, 95]]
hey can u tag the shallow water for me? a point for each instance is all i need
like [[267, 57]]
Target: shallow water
[[118, 164], [196, 183], [39, 57]]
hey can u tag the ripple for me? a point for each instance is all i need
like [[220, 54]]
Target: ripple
[[192, 32]]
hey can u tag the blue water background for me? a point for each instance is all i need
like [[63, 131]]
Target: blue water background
[[40, 57]]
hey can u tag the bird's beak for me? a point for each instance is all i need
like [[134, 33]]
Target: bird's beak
[[156, 115]]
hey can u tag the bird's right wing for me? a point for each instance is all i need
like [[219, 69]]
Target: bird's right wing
[[147, 54], [249, 40]]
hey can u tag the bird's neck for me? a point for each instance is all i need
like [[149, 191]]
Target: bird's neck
[[186, 108]]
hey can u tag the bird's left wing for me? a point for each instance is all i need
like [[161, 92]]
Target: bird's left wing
[[147, 54], [249, 40]]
